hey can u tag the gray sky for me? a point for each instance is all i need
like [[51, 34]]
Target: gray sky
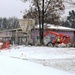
[[10, 8]]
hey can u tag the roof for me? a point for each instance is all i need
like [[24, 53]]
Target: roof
[[49, 26], [55, 27], [6, 30]]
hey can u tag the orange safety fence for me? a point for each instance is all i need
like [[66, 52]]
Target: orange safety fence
[[5, 45]]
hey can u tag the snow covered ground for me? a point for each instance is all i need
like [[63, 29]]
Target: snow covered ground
[[23, 60]]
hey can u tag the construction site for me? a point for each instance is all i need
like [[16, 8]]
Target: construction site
[[28, 34], [22, 44]]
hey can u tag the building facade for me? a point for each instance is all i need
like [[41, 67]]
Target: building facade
[[28, 33]]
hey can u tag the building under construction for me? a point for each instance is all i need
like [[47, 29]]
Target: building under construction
[[18, 35]]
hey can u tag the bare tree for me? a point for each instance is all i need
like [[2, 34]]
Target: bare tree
[[45, 10]]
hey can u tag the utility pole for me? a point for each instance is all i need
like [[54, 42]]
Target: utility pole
[[42, 22]]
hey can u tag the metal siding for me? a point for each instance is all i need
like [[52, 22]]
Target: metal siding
[[6, 34]]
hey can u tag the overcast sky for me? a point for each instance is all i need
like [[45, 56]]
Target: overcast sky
[[10, 8]]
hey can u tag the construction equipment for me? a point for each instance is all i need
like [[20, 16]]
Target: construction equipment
[[64, 39]]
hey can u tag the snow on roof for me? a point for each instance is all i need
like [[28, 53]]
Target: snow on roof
[[60, 27], [56, 27]]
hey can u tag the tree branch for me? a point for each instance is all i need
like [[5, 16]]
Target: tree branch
[[47, 6]]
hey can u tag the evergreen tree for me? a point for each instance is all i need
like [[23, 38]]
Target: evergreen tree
[[71, 19]]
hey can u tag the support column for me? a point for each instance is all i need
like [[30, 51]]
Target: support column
[[16, 37]]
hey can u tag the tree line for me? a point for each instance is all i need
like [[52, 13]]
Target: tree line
[[8, 23]]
